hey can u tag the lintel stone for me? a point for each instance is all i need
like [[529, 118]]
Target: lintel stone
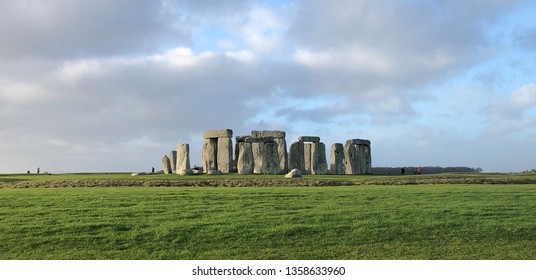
[[219, 133], [358, 142], [314, 139]]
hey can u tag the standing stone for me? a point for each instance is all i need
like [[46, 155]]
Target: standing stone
[[271, 158], [307, 156], [245, 162], [258, 157], [166, 165], [173, 160], [319, 164], [225, 154], [296, 158], [282, 154], [368, 160], [337, 159], [209, 156], [183, 157], [350, 159]]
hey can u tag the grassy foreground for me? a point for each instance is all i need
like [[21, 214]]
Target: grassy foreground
[[442, 221]]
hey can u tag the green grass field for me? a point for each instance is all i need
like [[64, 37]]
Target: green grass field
[[449, 216]]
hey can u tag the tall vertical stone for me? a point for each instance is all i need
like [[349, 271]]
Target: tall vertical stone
[[244, 162], [307, 156], [337, 159], [350, 158], [166, 165], [319, 164], [209, 154], [296, 157], [282, 154], [368, 160], [183, 157], [225, 154], [271, 158], [173, 160], [258, 157]]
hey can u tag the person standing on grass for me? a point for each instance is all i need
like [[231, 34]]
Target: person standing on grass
[[419, 171], [38, 170]]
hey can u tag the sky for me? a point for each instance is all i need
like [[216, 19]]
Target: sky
[[91, 86]]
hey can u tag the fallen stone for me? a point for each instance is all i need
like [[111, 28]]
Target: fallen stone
[[294, 173], [214, 172], [185, 172], [219, 133]]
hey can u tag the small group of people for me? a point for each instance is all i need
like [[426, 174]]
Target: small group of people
[[38, 170], [417, 171]]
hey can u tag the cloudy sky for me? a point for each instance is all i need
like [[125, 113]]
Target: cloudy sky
[[113, 85]]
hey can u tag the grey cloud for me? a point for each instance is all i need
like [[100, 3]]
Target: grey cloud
[[85, 28]]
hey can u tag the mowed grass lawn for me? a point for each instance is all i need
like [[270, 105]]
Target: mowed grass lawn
[[343, 222]]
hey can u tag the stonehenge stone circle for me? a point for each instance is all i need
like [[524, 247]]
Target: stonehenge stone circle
[[183, 157], [265, 152], [166, 165]]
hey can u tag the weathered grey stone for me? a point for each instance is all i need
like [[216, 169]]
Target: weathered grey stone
[[245, 162], [239, 139], [214, 172], [313, 139], [319, 164], [268, 133], [282, 154], [258, 157], [185, 172], [209, 155], [358, 142], [271, 159], [360, 158], [183, 157], [166, 165], [294, 173], [252, 139], [337, 159], [225, 154], [173, 160], [219, 133], [368, 160], [350, 159], [296, 158], [308, 158]]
